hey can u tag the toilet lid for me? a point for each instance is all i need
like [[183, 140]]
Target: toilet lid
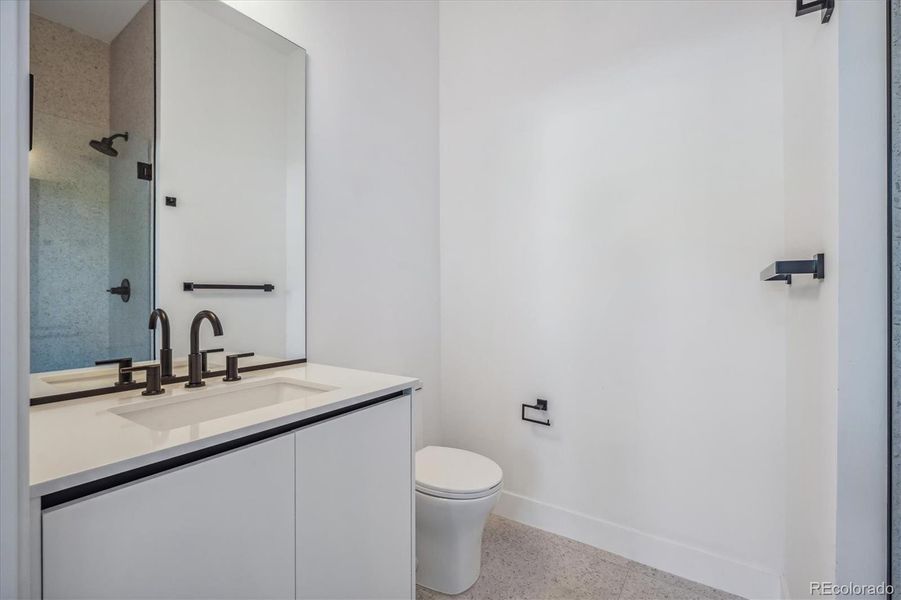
[[454, 471]]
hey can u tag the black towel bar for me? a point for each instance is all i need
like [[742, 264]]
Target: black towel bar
[[190, 286]]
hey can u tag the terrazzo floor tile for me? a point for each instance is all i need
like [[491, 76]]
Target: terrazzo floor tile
[[695, 589], [523, 563], [643, 587]]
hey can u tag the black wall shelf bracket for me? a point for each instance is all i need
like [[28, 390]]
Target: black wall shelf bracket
[[539, 405], [190, 286], [803, 8], [782, 270]]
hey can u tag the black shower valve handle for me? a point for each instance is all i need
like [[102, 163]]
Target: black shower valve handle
[[123, 290]]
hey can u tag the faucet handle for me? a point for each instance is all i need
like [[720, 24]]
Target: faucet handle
[[203, 361], [154, 378], [125, 377], [231, 366]]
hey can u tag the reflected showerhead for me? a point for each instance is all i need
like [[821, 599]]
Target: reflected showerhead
[[105, 145]]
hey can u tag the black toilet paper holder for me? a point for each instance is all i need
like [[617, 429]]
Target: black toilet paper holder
[[539, 405]]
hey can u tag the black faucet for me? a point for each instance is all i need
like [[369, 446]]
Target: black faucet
[[154, 387], [195, 359], [160, 315]]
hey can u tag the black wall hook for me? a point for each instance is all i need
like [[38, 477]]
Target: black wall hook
[[539, 405]]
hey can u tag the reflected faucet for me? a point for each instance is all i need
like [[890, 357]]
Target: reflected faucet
[[195, 365], [160, 315]]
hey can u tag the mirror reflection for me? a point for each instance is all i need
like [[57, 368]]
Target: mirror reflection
[[92, 125], [167, 179]]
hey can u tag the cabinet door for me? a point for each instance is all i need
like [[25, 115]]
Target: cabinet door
[[221, 528], [355, 505]]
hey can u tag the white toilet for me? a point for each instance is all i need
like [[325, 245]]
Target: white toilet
[[455, 492]]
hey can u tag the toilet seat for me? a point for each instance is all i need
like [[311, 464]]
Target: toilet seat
[[456, 474], [458, 496]]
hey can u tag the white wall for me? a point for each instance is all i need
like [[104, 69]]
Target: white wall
[[811, 220], [372, 188], [14, 305], [835, 161], [611, 186], [231, 124]]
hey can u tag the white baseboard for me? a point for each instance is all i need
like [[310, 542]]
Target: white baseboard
[[696, 564]]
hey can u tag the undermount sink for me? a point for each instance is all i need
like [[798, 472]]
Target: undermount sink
[[191, 408]]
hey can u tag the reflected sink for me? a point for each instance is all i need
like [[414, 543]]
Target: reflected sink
[[95, 377], [102, 377], [191, 408]]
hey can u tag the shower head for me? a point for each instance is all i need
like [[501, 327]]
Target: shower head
[[105, 145]]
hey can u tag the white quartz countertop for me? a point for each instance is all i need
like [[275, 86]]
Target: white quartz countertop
[[77, 441]]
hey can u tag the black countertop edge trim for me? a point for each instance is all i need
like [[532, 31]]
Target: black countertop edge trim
[[111, 481], [38, 400]]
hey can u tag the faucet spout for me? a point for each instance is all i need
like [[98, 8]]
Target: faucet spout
[[195, 328], [159, 316], [195, 364]]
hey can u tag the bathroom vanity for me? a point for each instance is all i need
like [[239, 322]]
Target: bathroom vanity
[[291, 483], [147, 193], [288, 480]]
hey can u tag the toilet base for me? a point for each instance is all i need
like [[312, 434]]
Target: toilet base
[[449, 541]]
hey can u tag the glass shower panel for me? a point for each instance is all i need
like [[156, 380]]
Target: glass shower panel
[[130, 250], [91, 213], [90, 223], [69, 245]]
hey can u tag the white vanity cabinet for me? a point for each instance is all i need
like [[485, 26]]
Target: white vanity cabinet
[[221, 528], [355, 505], [324, 511]]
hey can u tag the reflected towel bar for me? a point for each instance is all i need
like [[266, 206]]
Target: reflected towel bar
[[190, 286], [782, 270]]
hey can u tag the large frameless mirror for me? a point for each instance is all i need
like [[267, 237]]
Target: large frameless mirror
[[167, 170]]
